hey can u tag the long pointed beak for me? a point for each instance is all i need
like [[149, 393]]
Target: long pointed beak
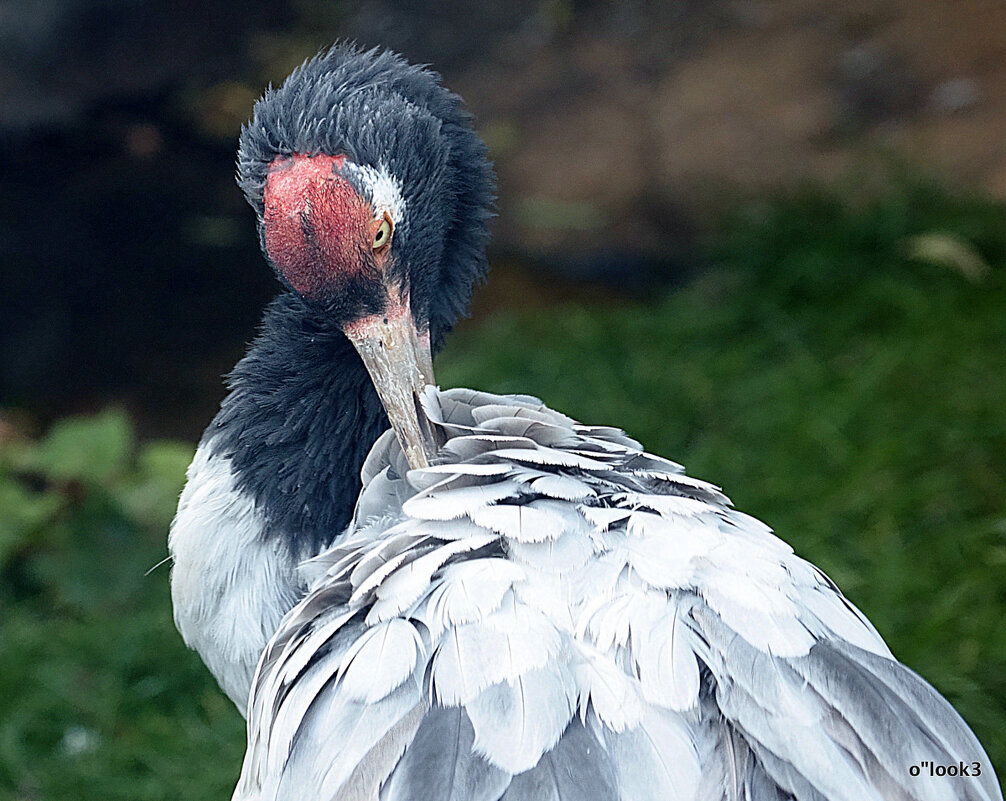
[[400, 365]]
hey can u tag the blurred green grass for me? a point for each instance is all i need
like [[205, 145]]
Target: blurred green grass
[[840, 370]]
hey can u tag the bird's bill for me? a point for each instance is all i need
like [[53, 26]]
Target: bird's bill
[[400, 365]]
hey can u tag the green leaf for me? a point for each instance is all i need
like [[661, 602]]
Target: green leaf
[[89, 449], [22, 514], [948, 250]]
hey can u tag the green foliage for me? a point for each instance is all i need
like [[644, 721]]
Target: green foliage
[[99, 698], [838, 371], [91, 450]]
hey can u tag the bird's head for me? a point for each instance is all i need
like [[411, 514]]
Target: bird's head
[[372, 191]]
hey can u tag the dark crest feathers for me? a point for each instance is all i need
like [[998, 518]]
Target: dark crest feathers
[[302, 413], [377, 109]]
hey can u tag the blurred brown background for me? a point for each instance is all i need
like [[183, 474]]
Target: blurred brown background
[[617, 129]]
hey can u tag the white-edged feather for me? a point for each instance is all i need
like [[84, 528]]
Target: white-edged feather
[[567, 552], [605, 688], [354, 730], [665, 661], [657, 759], [469, 592], [517, 721], [550, 457], [381, 660], [411, 581], [832, 612], [506, 644], [523, 522], [450, 504]]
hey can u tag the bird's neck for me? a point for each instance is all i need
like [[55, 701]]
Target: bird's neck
[[297, 425]]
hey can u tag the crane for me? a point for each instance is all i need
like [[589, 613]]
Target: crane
[[490, 600]]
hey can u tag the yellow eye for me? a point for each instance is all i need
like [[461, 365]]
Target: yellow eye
[[382, 236]]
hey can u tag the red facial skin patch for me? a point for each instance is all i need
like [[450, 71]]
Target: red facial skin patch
[[317, 228]]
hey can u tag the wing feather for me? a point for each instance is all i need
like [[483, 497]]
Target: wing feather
[[518, 721], [440, 765], [550, 613], [578, 768]]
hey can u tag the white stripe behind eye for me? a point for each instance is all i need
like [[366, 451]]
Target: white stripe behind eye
[[385, 191]]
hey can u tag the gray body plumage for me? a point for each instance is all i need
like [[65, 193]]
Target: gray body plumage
[[552, 613], [230, 584]]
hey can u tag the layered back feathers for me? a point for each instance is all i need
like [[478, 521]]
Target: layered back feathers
[[551, 612]]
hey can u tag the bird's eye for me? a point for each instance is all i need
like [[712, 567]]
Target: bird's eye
[[382, 236]]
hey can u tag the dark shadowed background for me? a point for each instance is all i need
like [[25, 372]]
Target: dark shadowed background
[[767, 238]]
